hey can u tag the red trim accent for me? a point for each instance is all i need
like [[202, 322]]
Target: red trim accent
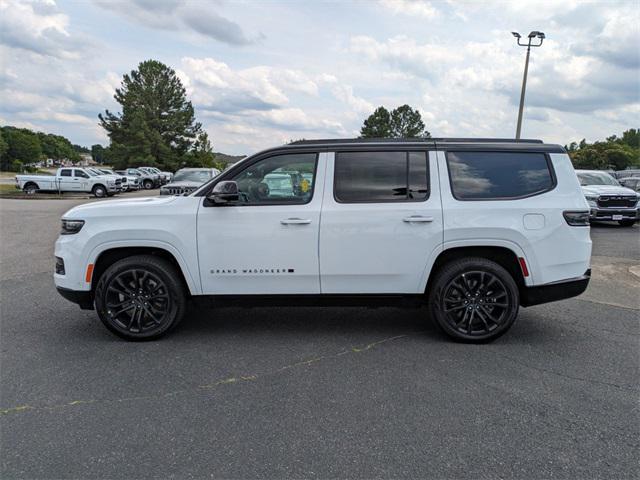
[[523, 266], [87, 277]]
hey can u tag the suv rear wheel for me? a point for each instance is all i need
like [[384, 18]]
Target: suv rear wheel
[[140, 297], [474, 300]]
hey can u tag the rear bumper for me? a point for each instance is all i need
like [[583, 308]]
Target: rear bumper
[[83, 298], [552, 292]]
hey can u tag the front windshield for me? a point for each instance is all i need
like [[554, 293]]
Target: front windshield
[[200, 176], [597, 178]]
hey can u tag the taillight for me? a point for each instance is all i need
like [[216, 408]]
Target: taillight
[[577, 218]]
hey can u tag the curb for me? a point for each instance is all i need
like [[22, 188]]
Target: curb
[[42, 197]]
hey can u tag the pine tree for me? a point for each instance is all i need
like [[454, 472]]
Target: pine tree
[[157, 125]]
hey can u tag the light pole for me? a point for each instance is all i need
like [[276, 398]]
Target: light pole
[[531, 36]]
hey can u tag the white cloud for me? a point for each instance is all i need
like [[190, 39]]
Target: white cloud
[[359, 105], [38, 27], [406, 54], [414, 8], [215, 85]]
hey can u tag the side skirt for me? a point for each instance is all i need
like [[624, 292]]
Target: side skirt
[[323, 300]]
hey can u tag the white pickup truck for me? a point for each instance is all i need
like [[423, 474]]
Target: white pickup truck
[[70, 180]]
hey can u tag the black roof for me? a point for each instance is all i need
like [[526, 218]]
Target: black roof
[[443, 143], [333, 141]]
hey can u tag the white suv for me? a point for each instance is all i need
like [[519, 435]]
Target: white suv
[[472, 229]]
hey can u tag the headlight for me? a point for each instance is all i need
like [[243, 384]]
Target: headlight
[[111, 182], [69, 227], [591, 198]]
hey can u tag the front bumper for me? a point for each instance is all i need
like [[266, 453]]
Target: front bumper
[[554, 291], [597, 213], [83, 299]]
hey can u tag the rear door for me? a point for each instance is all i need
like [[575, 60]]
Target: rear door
[[65, 180], [381, 221]]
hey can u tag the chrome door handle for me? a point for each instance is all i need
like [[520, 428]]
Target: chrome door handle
[[417, 219], [295, 221]]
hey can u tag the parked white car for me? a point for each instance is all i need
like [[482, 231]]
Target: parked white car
[[128, 182], [70, 179], [608, 200], [472, 230]]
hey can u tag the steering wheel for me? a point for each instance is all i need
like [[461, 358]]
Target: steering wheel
[[262, 191]]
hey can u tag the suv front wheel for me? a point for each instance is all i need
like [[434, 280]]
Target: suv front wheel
[[140, 297], [474, 300]]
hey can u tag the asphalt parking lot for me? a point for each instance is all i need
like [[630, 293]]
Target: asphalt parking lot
[[315, 393]]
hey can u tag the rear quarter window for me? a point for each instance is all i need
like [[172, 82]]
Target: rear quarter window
[[499, 175]]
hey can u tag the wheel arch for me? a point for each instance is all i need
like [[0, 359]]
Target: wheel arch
[[504, 256], [29, 183], [105, 257]]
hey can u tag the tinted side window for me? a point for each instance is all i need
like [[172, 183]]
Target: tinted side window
[[80, 173], [494, 175], [381, 177], [65, 172], [278, 180]]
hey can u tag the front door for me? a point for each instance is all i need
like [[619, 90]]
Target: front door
[[381, 221], [80, 180], [267, 242]]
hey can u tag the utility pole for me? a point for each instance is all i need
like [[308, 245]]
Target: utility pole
[[531, 36]]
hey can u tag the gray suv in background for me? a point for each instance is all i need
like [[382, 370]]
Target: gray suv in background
[[187, 180]]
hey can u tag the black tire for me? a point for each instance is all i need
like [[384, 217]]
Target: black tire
[[146, 311], [626, 223], [148, 184], [99, 191], [30, 188], [474, 300]]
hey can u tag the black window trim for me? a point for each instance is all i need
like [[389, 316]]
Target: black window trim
[[231, 173], [407, 151], [554, 180]]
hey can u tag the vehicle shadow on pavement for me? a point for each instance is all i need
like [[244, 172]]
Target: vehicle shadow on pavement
[[334, 321]]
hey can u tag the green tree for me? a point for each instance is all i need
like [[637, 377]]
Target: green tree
[[201, 155], [631, 137], [22, 145], [3, 147], [605, 155], [97, 153], [57, 147], [402, 122], [377, 125], [407, 123], [157, 125]]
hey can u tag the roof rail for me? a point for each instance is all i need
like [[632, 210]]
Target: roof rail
[[412, 140]]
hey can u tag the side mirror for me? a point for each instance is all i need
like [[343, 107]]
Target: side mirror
[[224, 192]]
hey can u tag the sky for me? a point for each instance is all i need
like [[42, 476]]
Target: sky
[[261, 73]]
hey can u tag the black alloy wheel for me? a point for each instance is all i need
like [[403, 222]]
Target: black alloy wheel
[[140, 298], [474, 300]]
